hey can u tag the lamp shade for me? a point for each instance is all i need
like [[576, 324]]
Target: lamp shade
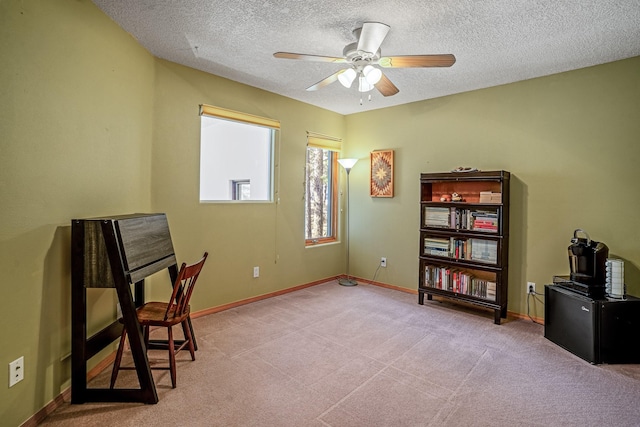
[[347, 163], [372, 74], [364, 85], [347, 77]]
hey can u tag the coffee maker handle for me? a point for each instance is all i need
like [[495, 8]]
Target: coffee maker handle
[[575, 236]]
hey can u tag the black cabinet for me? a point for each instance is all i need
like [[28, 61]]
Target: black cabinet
[[464, 238], [597, 330]]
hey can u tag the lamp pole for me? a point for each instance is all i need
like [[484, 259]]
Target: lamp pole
[[347, 164]]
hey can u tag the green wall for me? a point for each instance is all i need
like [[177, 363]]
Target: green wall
[[570, 141], [91, 124], [237, 236], [75, 130]]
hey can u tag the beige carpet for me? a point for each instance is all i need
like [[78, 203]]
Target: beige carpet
[[369, 356]]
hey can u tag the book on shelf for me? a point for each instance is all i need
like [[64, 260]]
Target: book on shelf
[[485, 221], [436, 246], [485, 225], [436, 216], [459, 248], [436, 242], [460, 218], [490, 197]]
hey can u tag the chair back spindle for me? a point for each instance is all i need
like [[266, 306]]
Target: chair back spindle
[[178, 305]]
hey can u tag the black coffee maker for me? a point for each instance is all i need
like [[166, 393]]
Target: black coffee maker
[[587, 260]]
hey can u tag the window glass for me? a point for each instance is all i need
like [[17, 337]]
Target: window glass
[[321, 197], [236, 161]]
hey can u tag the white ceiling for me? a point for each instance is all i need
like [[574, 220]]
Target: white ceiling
[[494, 41]]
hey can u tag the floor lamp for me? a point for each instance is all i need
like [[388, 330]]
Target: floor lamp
[[347, 164]]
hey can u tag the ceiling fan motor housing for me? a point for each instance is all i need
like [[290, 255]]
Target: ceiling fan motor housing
[[359, 57]]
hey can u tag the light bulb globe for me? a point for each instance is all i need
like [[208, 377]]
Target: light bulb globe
[[347, 77], [372, 74], [364, 85]]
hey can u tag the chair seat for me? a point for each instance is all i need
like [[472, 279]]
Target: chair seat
[[153, 314]]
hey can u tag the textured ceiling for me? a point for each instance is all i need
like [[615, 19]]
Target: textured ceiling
[[494, 41]]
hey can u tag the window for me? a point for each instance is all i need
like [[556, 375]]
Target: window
[[241, 189], [236, 156], [321, 201]]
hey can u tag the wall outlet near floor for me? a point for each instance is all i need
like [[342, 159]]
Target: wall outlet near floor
[[531, 288], [383, 262], [256, 272], [16, 371]]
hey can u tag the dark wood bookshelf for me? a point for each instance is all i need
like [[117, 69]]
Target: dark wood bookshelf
[[464, 245]]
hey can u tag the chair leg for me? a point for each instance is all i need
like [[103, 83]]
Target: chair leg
[[116, 363], [172, 357], [187, 336], [146, 336]]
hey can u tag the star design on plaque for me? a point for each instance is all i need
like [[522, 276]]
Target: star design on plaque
[[381, 173]]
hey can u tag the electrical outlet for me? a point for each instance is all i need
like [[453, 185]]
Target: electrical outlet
[[256, 272], [531, 288], [383, 262], [16, 371]]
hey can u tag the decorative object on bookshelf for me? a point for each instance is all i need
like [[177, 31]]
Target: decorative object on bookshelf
[[464, 238], [490, 197], [347, 164], [464, 169], [381, 173]]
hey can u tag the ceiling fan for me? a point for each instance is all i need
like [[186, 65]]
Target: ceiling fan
[[363, 55]]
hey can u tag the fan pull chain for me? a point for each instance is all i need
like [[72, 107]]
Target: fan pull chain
[[368, 99]]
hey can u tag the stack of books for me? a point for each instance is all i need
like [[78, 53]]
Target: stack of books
[[490, 197], [436, 246], [485, 221], [460, 218], [435, 216], [459, 248]]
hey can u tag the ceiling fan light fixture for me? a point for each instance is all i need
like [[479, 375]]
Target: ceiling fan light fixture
[[372, 74], [347, 77], [364, 60]]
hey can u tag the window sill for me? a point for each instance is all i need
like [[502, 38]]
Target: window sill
[[322, 243]]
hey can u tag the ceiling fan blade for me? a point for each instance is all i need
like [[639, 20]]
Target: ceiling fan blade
[[385, 87], [315, 58], [372, 35], [325, 82], [408, 61]]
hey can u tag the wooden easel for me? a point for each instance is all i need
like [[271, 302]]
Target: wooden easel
[[115, 252]]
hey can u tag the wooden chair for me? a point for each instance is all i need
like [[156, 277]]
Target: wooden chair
[[167, 314]]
